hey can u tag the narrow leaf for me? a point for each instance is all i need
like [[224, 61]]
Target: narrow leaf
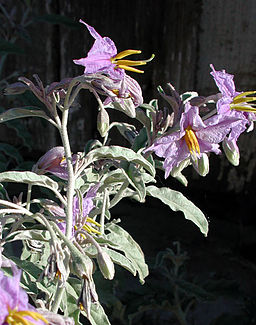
[[14, 113], [123, 241], [178, 202], [28, 178]]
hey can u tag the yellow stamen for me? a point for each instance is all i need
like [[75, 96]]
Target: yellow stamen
[[130, 62], [90, 229], [17, 317], [81, 307], [191, 141], [125, 67], [241, 99], [116, 91], [93, 221], [126, 64], [58, 274], [125, 53]]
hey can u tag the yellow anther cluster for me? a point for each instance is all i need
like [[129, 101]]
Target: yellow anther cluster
[[128, 64], [241, 102], [17, 317], [191, 141]]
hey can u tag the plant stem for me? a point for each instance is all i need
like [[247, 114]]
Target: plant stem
[[57, 298], [29, 196], [102, 215], [71, 179], [70, 187]]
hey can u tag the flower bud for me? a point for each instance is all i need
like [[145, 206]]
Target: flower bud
[[81, 266], [50, 161], [106, 265], [202, 165], [231, 151], [103, 122]]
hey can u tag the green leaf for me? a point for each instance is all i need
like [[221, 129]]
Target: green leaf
[[141, 140], [118, 153], [9, 48], [28, 178], [98, 315], [178, 202], [134, 177], [14, 113], [116, 257], [123, 241], [121, 260], [28, 267]]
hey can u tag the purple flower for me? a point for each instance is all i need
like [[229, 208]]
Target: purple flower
[[103, 57], [233, 103], [194, 138], [81, 209], [125, 97], [54, 162], [14, 305]]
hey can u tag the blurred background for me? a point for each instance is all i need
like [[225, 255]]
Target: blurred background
[[43, 37]]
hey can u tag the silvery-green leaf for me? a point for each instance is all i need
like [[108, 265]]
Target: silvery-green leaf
[[116, 257], [126, 106], [121, 260], [113, 177], [141, 140], [98, 315], [14, 113], [178, 202], [187, 96], [28, 178], [136, 180], [128, 131], [177, 172], [26, 235], [142, 117], [118, 153], [124, 242]]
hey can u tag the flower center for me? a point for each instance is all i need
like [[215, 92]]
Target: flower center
[[17, 317], [241, 102], [191, 141], [127, 64]]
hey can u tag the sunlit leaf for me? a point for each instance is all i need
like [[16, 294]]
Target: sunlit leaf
[[178, 202]]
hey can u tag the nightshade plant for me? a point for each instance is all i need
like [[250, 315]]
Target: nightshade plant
[[68, 236]]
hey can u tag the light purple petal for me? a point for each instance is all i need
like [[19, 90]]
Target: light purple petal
[[178, 153], [224, 81], [217, 127], [99, 57]]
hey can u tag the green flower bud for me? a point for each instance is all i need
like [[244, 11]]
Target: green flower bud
[[103, 122], [231, 151], [106, 265], [81, 266], [203, 165]]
